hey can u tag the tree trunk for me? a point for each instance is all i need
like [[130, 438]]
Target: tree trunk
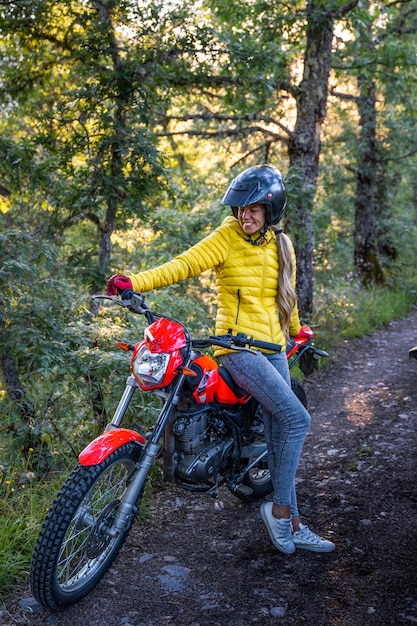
[[106, 228], [122, 94], [366, 256], [16, 394], [304, 146]]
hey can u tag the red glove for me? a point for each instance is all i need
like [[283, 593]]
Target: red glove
[[305, 333], [118, 283]]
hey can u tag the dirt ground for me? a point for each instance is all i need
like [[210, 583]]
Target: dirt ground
[[198, 561]]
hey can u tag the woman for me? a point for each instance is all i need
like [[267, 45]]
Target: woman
[[255, 270]]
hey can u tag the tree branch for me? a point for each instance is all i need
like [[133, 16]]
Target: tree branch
[[226, 133], [233, 118], [344, 10], [343, 96]]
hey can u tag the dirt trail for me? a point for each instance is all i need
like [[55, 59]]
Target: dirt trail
[[198, 561]]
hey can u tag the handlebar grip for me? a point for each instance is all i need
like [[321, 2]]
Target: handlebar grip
[[138, 300], [211, 341], [127, 294], [265, 345]]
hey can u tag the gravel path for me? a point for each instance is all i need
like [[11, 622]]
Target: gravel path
[[196, 561]]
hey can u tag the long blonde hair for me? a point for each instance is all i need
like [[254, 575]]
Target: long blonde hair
[[286, 295]]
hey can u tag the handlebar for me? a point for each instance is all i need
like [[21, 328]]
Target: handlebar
[[132, 300], [236, 342], [135, 302]]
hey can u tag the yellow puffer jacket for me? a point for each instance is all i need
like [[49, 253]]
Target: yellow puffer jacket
[[246, 280]]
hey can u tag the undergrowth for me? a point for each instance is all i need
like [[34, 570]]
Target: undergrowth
[[344, 311]]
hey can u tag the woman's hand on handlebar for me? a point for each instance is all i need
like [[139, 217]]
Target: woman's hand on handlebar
[[117, 284], [305, 333]]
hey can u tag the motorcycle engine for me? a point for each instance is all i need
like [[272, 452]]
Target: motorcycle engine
[[199, 454]]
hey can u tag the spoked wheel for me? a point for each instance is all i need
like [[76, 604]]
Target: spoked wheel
[[256, 483], [258, 479], [78, 540]]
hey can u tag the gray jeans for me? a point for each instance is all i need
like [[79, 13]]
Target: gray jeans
[[286, 421]]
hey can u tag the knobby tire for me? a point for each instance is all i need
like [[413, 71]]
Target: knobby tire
[[259, 479], [298, 389], [73, 550]]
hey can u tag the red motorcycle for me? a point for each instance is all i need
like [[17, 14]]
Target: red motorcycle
[[209, 433]]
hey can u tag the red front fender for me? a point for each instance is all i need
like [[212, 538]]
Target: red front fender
[[99, 449]]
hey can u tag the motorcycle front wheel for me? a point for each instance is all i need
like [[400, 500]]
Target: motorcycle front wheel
[[77, 542]]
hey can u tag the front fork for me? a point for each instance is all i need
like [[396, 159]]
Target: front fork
[[152, 447], [114, 436]]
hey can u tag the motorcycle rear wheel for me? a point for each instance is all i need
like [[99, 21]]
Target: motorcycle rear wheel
[[75, 546], [298, 389], [258, 479]]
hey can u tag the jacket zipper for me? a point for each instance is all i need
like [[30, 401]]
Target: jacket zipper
[[238, 305]]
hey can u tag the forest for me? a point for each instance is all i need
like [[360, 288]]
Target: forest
[[122, 123]]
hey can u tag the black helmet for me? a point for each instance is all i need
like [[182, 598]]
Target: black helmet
[[260, 184]]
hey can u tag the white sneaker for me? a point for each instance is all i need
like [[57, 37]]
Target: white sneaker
[[307, 540], [280, 530]]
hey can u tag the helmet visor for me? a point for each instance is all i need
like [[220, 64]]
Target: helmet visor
[[243, 194]]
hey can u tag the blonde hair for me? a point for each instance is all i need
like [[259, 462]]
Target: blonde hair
[[286, 295]]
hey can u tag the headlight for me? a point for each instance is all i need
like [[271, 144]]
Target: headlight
[[148, 367]]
